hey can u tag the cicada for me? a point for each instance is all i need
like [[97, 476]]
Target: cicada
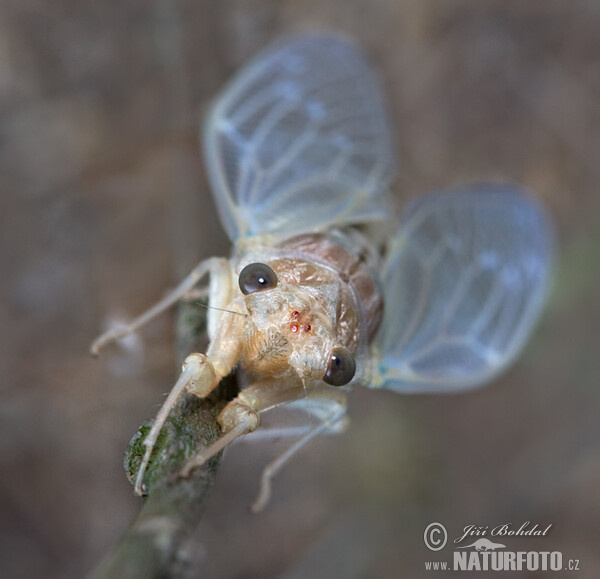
[[315, 298]]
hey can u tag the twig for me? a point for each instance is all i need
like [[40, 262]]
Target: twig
[[151, 547]]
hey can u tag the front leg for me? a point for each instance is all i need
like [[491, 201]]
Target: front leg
[[242, 415], [200, 374], [219, 271]]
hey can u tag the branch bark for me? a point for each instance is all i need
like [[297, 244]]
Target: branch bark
[[151, 546]]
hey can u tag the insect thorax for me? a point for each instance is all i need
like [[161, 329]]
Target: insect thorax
[[349, 254]]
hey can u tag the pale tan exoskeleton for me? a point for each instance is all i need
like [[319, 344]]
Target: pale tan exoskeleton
[[300, 155]]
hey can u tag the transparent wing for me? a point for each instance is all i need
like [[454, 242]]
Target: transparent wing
[[299, 141], [465, 279]]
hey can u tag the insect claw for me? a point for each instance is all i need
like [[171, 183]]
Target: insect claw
[[141, 491], [96, 346], [264, 495], [104, 339]]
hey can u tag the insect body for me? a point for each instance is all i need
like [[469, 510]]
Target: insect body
[[300, 156]]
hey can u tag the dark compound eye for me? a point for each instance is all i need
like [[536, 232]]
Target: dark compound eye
[[341, 367], [257, 277]]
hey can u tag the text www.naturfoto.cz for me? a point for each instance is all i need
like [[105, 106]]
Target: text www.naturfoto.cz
[[500, 561]]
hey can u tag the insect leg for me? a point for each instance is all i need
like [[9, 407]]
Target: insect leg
[[329, 424], [214, 265], [277, 432], [242, 416], [198, 374]]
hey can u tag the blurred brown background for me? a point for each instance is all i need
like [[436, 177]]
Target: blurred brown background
[[98, 147]]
